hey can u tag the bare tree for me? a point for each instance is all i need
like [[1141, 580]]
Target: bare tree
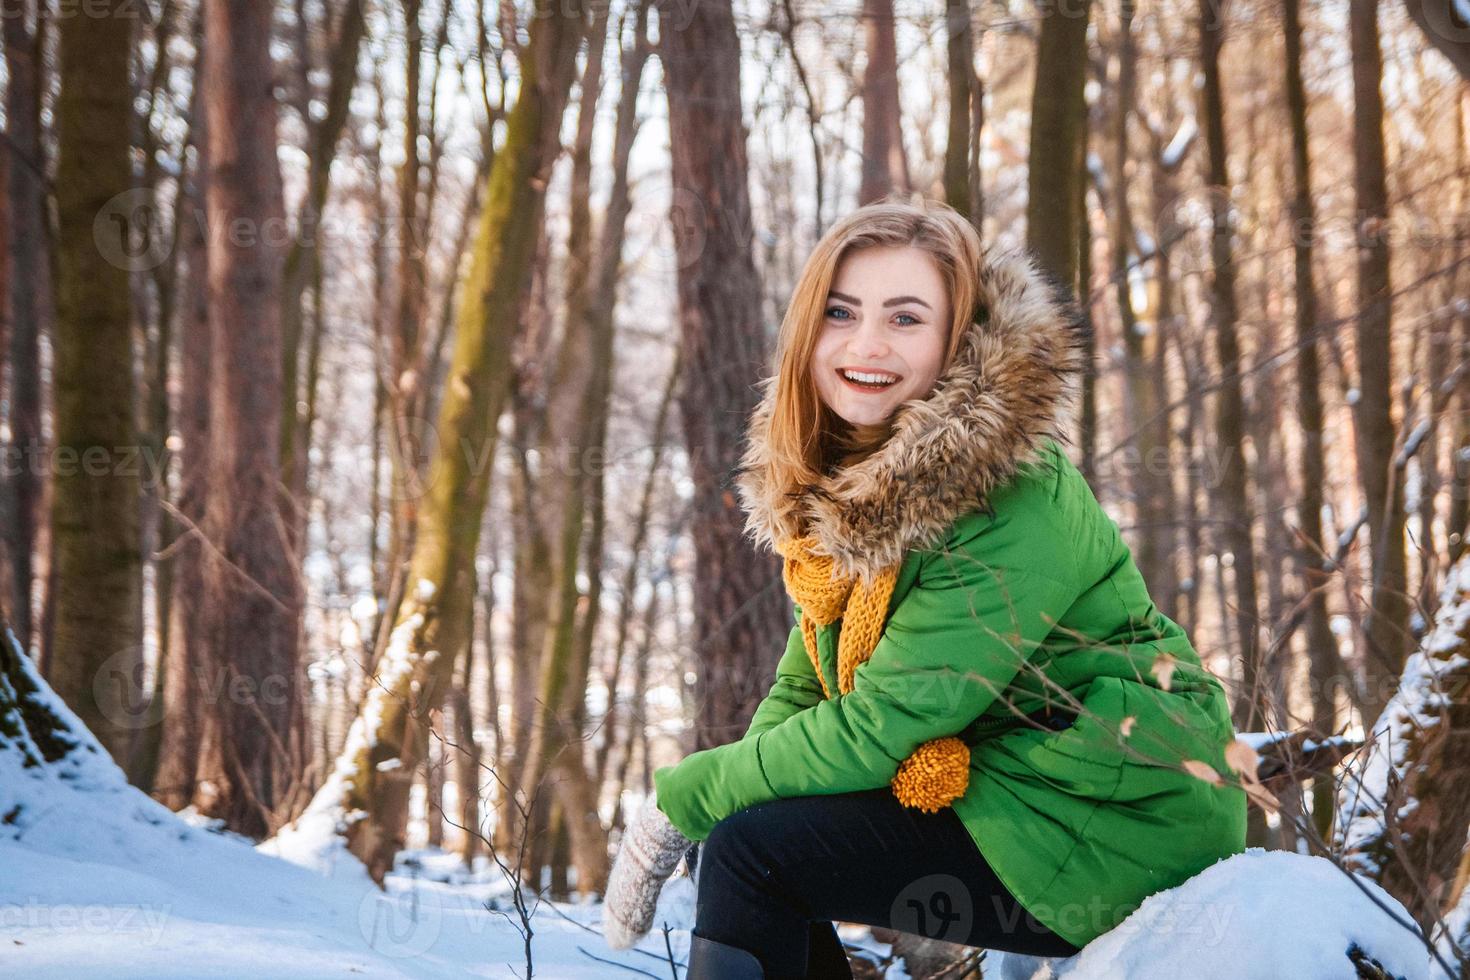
[[26, 244], [1233, 498], [251, 576], [1058, 139], [885, 164], [1322, 653], [740, 609], [1387, 629]]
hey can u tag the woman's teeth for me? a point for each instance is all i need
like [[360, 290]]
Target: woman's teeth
[[868, 381]]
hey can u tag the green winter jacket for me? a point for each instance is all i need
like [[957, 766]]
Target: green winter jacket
[[1014, 590]]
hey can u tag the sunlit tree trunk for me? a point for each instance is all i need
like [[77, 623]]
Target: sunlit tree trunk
[[183, 665]]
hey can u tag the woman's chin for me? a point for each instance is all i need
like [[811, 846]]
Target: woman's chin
[[866, 415]]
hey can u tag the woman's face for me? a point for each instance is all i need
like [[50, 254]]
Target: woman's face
[[886, 321]]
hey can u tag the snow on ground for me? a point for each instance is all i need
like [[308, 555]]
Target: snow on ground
[[99, 881]]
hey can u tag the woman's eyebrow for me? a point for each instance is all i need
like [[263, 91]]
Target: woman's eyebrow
[[895, 301]]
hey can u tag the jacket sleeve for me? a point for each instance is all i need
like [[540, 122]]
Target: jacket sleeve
[[971, 621], [796, 686]]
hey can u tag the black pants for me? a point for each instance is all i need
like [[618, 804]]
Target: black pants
[[774, 876]]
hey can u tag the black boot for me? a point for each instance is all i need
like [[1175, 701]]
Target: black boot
[[709, 960]]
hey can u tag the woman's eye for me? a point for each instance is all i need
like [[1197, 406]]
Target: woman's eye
[[910, 318], [833, 312]]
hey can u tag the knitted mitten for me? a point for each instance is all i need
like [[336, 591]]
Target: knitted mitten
[[650, 851]]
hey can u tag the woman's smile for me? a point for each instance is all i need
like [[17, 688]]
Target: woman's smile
[[869, 381]]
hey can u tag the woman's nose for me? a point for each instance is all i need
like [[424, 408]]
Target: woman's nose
[[868, 341]]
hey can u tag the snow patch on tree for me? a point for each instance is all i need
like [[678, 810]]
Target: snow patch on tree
[[316, 839], [1392, 759]]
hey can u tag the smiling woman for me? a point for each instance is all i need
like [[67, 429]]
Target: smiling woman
[[980, 713]]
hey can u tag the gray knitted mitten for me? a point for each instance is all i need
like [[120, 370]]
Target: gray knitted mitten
[[650, 851]]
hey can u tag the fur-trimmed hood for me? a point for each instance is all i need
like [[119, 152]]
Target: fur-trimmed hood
[[1011, 386]]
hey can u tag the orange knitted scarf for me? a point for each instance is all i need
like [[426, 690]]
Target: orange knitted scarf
[[938, 771]]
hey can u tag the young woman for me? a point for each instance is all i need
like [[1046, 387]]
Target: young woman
[[982, 729]]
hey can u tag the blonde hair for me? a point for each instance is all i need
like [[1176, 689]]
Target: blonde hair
[[806, 438]]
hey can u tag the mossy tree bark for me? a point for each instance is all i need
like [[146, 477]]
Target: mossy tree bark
[[370, 782], [966, 116], [96, 658]]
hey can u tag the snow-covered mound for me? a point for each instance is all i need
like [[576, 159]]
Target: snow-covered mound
[[97, 880], [1261, 915]]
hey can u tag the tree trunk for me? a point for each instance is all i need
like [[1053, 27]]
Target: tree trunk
[[97, 658], [1232, 497], [885, 165], [1387, 628], [1147, 421], [966, 111], [741, 613], [1055, 168], [629, 584], [252, 579], [28, 238], [466, 751], [1322, 653], [380, 755], [184, 664], [304, 255]]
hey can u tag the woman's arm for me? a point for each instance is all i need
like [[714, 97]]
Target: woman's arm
[[972, 619], [795, 689]]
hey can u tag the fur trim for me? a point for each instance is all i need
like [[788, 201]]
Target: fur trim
[[1012, 386]]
